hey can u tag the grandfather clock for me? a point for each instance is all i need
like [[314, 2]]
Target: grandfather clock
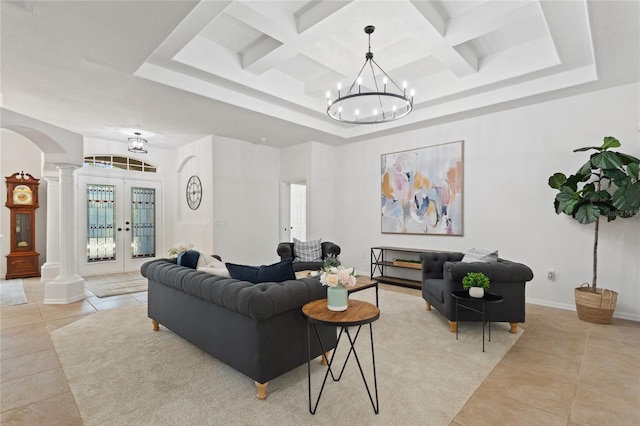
[[22, 200]]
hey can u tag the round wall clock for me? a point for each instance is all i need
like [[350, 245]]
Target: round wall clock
[[194, 192]]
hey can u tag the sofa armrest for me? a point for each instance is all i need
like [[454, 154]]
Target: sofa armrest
[[499, 271], [285, 250], [330, 249], [433, 263]]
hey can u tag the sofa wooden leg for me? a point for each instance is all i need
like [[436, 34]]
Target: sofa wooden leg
[[514, 327], [325, 358], [453, 326], [428, 306], [156, 326], [262, 390]]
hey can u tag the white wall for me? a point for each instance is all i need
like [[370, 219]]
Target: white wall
[[508, 158], [17, 153], [192, 226], [245, 212]]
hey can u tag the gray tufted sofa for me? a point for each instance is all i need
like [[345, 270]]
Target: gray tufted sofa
[[258, 329], [442, 273]]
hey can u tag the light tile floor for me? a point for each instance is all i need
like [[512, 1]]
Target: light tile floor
[[561, 371]]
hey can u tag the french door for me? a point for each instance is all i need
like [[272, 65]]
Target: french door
[[118, 224]]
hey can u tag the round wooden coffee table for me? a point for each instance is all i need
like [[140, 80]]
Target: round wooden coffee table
[[358, 313]]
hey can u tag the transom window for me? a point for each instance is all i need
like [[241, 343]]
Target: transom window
[[117, 162]]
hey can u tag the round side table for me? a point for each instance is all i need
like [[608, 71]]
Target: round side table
[[358, 313]]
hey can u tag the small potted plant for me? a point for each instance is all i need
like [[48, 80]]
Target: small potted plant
[[475, 282]]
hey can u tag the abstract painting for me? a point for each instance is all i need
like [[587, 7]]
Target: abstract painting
[[422, 190]]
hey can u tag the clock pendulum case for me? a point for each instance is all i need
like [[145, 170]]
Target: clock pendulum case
[[22, 201]]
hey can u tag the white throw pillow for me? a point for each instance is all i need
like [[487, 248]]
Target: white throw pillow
[[213, 270], [206, 260], [307, 251], [480, 255]]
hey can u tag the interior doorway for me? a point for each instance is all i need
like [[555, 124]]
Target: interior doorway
[[298, 208], [294, 211]]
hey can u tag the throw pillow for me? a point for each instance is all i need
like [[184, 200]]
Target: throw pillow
[[189, 258], [220, 272], [480, 255], [278, 272], [243, 272], [206, 260], [307, 251]]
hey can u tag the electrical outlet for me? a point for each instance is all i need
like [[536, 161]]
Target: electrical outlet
[[551, 275]]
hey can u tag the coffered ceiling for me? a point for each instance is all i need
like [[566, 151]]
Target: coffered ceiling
[[259, 70]]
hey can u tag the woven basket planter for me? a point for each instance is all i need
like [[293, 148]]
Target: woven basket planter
[[595, 307]]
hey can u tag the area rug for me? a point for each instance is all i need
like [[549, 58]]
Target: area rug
[[121, 372], [114, 284], [12, 293]]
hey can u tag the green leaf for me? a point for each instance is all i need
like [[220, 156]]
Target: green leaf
[[567, 202], [573, 180], [606, 160], [585, 171], [587, 213], [614, 174], [610, 142], [587, 148], [634, 170], [627, 199], [557, 180], [597, 195], [628, 159]]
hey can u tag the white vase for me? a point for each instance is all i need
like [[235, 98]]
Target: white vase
[[477, 292]]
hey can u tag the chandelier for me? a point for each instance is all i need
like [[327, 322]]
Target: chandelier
[[137, 144], [359, 105]]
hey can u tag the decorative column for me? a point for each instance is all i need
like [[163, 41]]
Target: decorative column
[[51, 268], [68, 286]]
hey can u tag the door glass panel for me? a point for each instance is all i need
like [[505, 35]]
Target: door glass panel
[[101, 241], [143, 222]]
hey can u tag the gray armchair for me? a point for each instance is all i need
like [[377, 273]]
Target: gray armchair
[[285, 251], [442, 273]]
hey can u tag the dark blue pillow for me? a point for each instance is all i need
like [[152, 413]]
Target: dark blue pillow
[[243, 272], [278, 272], [189, 258]]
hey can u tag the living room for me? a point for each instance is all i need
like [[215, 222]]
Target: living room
[[510, 150]]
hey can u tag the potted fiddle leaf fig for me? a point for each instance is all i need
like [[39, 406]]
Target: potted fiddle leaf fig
[[606, 185]]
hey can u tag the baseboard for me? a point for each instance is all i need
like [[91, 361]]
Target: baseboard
[[572, 307]]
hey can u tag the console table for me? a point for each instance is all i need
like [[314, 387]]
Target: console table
[[382, 265]]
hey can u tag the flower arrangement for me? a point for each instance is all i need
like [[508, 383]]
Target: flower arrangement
[[179, 248], [333, 274]]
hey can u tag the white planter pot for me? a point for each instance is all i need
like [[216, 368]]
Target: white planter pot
[[477, 292]]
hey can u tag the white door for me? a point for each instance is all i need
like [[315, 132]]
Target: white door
[[118, 224], [298, 211]]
